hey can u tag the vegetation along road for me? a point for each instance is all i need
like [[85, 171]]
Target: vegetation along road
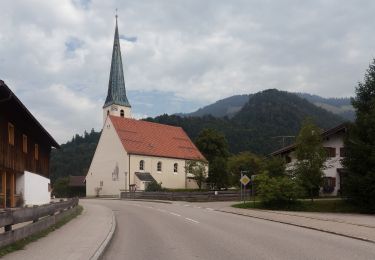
[[150, 230]]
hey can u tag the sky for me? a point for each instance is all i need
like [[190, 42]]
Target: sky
[[178, 55]]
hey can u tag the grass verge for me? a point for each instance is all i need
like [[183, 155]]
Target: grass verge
[[23, 242], [333, 206]]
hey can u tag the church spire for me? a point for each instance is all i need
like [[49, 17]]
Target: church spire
[[116, 86]]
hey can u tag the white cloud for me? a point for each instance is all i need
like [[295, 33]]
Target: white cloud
[[182, 54]]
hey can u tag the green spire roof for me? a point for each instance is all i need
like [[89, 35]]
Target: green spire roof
[[116, 86]]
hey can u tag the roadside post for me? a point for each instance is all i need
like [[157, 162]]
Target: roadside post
[[252, 188], [244, 181]]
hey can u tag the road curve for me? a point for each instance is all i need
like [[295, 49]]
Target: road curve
[[149, 230]]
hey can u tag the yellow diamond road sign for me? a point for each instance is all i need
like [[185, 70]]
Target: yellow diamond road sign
[[245, 180]]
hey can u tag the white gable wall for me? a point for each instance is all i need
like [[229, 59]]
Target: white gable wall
[[109, 154]]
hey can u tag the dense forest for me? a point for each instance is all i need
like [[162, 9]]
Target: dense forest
[[257, 127]]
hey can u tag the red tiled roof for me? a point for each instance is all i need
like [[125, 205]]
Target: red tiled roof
[[147, 138]]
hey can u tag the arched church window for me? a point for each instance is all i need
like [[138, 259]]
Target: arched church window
[[158, 168], [141, 165], [122, 113], [175, 167]]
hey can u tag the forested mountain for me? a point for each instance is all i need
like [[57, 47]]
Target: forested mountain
[[74, 157], [224, 107], [339, 106], [232, 105], [256, 127]]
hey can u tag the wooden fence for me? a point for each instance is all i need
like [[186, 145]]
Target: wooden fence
[[41, 217], [185, 196]]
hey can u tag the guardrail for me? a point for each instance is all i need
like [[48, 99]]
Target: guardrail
[[41, 217], [185, 196]]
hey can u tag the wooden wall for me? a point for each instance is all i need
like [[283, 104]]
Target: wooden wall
[[12, 157]]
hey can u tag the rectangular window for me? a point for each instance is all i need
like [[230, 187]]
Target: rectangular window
[[36, 152], [342, 152], [331, 151], [11, 134], [24, 143]]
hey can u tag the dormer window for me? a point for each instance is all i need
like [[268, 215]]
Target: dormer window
[[122, 113]]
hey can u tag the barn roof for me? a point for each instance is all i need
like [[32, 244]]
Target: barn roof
[[8, 100], [153, 139]]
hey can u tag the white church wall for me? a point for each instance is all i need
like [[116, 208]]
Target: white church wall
[[109, 165], [167, 176]]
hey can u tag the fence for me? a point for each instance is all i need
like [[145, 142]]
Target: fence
[[41, 217], [185, 196]]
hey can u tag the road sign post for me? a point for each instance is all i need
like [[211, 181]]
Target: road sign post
[[244, 181]]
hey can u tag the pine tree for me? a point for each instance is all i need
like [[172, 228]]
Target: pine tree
[[359, 181]]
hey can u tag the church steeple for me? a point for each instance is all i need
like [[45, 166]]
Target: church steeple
[[116, 102]]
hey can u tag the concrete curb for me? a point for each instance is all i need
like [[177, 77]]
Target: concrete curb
[[103, 246], [302, 226]]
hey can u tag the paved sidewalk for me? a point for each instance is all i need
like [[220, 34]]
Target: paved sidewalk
[[350, 225], [81, 238]]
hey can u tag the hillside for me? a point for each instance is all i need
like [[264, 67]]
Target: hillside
[[74, 157], [232, 105]]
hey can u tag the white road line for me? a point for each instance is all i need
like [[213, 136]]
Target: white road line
[[199, 207], [186, 205], [192, 220], [175, 214], [209, 209]]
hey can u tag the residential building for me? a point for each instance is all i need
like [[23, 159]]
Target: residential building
[[333, 141]]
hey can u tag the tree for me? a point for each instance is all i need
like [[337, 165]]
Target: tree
[[214, 147], [311, 157], [154, 186], [274, 166], [244, 161], [198, 169], [359, 182], [61, 188]]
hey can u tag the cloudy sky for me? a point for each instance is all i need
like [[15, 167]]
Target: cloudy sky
[[178, 55]]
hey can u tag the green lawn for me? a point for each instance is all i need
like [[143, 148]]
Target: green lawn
[[333, 205]]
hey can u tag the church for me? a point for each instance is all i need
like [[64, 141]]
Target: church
[[132, 153]]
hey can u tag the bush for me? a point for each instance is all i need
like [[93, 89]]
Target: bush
[[281, 190], [154, 186]]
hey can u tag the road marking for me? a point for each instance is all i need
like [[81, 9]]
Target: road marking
[[175, 214], [186, 205], [161, 210], [192, 220], [209, 209]]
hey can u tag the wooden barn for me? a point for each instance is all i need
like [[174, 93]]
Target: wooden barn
[[25, 148]]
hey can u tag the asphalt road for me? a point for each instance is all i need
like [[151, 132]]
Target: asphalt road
[[148, 230]]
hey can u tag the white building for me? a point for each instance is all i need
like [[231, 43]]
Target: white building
[[132, 153], [333, 141]]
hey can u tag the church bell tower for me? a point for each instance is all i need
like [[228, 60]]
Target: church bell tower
[[116, 103]]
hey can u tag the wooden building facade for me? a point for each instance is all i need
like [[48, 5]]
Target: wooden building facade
[[24, 146]]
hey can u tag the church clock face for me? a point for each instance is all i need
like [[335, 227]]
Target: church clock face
[[114, 108]]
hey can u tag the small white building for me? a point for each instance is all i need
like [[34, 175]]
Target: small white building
[[132, 153], [333, 141]]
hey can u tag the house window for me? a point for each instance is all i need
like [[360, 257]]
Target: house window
[[175, 167], [11, 134], [122, 113], [159, 167], [24, 143], [329, 184], [342, 152], [331, 151], [141, 165], [36, 151]]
